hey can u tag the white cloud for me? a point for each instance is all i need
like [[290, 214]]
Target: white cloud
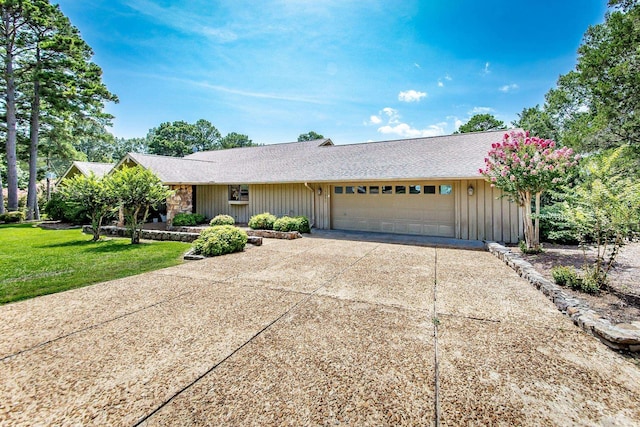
[[457, 123], [411, 96], [508, 88], [486, 68], [393, 115], [417, 66], [440, 84], [447, 77], [406, 131], [375, 120], [481, 110]]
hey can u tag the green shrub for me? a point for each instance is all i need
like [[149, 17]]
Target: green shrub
[[220, 240], [563, 276], [263, 221], [188, 219], [523, 248], [58, 209], [222, 220], [304, 225], [11, 217]]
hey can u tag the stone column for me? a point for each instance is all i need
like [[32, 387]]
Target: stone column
[[180, 202]]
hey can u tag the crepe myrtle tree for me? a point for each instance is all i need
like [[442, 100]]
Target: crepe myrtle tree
[[523, 167], [137, 190]]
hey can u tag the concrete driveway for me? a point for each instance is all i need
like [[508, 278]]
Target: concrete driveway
[[307, 332]]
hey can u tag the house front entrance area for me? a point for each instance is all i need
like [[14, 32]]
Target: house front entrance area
[[422, 208]]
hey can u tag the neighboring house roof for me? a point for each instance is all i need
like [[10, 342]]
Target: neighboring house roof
[[442, 157], [85, 168]]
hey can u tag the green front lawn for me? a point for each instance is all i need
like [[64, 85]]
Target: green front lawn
[[36, 262]]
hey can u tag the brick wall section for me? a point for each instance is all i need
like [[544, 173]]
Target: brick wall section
[[180, 202]]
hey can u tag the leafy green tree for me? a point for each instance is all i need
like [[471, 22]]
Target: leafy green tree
[[94, 195], [234, 140], [180, 138], [481, 123], [137, 190], [597, 105], [603, 209], [122, 146], [537, 121], [309, 136], [523, 168]]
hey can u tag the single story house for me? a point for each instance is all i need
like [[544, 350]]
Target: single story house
[[86, 168], [428, 186]]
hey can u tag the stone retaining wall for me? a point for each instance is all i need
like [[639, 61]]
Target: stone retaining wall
[[174, 236], [269, 234], [619, 337]]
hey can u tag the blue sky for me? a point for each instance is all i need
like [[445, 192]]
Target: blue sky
[[353, 71]]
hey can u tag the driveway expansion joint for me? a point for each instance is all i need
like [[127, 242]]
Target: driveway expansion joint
[[579, 311]]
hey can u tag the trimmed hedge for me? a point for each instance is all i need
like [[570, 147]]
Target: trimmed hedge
[[11, 217], [263, 221], [222, 220], [298, 223], [563, 276], [220, 240], [188, 219]]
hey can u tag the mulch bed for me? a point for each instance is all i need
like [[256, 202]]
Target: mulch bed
[[620, 301]]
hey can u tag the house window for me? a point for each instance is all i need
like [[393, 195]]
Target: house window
[[349, 189], [414, 189], [374, 189], [337, 190], [429, 189], [401, 189], [445, 189], [362, 189], [387, 189], [239, 193]]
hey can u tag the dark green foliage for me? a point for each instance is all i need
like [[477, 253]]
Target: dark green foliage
[[309, 136], [220, 240], [263, 221], [188, 219], [481, 123], [554, 225], [222, 220], [564, 276], [58, 209], [12, 217], [286, 223]]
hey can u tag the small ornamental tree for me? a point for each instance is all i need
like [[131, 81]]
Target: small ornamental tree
[[137, 190], [94, 195], [523, 167]]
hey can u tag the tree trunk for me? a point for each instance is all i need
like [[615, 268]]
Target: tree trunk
[[10, 108], [1, 196], [32, 196], [530, 233]]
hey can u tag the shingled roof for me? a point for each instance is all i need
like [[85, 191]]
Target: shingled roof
[[442, 157]]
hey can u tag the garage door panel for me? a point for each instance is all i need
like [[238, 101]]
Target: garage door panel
[[426, 214]]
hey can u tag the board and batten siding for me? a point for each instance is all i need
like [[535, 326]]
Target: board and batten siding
[[278, 199], [486, 215]]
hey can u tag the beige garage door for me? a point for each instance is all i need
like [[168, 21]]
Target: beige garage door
[[408, 208]]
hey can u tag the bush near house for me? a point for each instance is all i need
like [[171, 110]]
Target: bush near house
[[188, 219], [263, 221], [220, 240], [298, 223], [222, 220], [12, 217], [58, 209]]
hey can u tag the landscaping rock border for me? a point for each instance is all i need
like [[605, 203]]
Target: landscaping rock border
[[619, 337], [174, 236], [268, 234]]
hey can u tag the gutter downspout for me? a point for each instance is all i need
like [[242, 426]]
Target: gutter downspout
[[313, 205]]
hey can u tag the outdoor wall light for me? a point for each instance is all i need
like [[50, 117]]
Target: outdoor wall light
[[470, 190], [319, 191]]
